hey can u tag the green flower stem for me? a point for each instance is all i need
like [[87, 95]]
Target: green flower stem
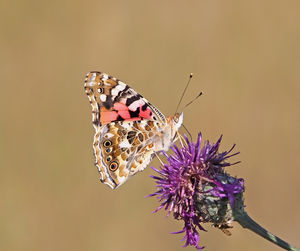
[[246, 222]]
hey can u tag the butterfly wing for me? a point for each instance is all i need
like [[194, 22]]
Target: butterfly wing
[[123, 148], [112, 100], [125, 123]]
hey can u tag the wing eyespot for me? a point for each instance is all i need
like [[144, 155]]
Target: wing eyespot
[[113, 166], [107, 143], [108, 159], [108, 150]]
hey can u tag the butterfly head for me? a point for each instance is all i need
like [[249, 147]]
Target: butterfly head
[[177, 120]]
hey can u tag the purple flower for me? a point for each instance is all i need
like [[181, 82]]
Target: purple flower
[[194, 186]]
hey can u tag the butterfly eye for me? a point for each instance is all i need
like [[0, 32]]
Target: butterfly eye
[[113, 166], [107, 143]]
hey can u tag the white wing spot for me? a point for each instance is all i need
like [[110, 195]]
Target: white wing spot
[[109, 135], [103, 97], [127, 126], [121, 86], [125, 144], [136, 104], [93, 77], [114, 92], [104, 77]]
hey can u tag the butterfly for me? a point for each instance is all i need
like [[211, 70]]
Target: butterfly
[[129, 131]]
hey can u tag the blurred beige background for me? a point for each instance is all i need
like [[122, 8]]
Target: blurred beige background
[[245, 56]]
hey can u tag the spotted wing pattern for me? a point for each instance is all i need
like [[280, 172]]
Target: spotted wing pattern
[[123, 148], [125, 125]]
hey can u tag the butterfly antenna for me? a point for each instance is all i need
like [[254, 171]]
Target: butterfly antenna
[[193, 100], [190, 77]]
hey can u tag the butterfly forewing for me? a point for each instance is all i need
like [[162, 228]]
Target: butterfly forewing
[[112, 100]]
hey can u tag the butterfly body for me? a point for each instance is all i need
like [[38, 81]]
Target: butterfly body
[[128, 129]]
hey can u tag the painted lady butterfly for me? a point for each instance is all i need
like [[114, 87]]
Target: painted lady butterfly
[[129, 130]]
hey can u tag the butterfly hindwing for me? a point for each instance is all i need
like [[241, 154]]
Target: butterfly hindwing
[[122, 148]]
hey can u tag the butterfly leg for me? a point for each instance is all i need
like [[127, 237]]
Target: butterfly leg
[[159, 158], [181, 139]]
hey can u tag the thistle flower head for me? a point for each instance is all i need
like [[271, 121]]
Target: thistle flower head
[[194, 186]]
